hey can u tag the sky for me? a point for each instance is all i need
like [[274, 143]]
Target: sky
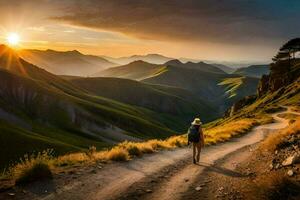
[[221, 30]]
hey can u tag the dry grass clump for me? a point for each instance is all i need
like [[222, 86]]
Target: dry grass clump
[[33, 167], [275, 139], [226, 131], [177, 141], [71, 159], [159, 144], [151, 146], [117, 154], [137, 149]]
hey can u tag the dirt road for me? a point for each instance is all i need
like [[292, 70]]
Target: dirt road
[[165, 175]]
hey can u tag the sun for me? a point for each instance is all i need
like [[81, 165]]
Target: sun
[[13, 39]]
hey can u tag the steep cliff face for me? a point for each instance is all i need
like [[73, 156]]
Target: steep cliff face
[[282, 74], [239, 105], [283, 81]]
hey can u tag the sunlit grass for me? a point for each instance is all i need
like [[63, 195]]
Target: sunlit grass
[[275, 139], [232, 85], [228, 130], [33, 167]]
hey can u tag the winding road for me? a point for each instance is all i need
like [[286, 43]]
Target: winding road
[[166, 175]]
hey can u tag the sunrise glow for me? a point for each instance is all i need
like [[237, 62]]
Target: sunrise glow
[[13, 39]]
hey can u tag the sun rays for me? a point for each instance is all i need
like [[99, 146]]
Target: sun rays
[[13, 39]]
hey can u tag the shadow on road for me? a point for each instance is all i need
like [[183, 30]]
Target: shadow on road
[[221, 170]]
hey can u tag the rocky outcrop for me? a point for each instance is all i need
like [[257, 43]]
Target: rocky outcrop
[[282, 74], [239, 105], [263, 85]]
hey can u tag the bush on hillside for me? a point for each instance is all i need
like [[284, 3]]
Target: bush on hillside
[[118, 154], [33, 168], [38, 171]]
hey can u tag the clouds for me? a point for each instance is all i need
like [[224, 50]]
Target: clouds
[[239, 29], [191, 20]]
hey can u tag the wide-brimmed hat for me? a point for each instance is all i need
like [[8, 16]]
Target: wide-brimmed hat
[[197, 121]]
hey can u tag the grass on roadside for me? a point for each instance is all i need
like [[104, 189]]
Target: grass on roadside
[[27, 169], [277, 139], [32, 168], [228, 130]]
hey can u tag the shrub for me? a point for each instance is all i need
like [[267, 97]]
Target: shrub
[[38, 171], [118, 154], [145, 147], [72, 159], [33, 167], [159, 144], [132, 148], [177, 141]]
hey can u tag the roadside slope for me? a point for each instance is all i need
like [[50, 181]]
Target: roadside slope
[[167, 175]]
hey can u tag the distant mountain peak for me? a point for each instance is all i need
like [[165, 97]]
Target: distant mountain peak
[[73, 52], [174, 62], [138, 62]]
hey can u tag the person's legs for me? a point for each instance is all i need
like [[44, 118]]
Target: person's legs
[[198, 151], [194, 152]]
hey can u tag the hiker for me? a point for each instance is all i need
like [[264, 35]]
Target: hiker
[[196, 137]]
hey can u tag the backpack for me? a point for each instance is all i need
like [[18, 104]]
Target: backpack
[[193, 134]]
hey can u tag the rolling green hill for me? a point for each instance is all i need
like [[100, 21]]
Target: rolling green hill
[[200, 79], [202, 66], [161, 99], [253, 71], [224, 68], [137, 70], [241, 86], [206, 85], [39, 110]]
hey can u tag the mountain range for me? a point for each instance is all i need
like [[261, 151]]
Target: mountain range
[[140, 100], [203, 80], [40, 110], [66, 62], [151, 58], [74, 63]]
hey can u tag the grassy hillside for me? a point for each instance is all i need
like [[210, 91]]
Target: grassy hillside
[[254, 71], [197, 66], [280, 88], [200, 79], [39, 107], [224, 68], [137, 70], [161, 99], [67, 62], [242, 86], [205, 85]]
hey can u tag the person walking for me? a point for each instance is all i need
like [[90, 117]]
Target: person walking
[[196, 137]]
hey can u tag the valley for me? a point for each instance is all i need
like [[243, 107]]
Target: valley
[[130, 100], [130, 110], [141, 101]]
